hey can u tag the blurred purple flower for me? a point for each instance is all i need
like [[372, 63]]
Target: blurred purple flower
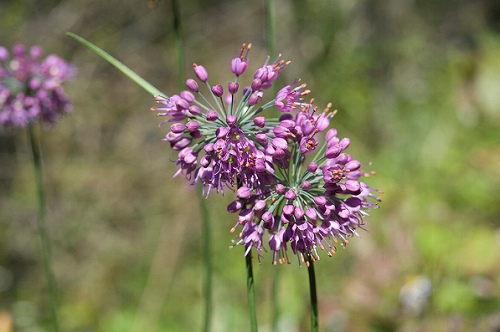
[[31, 88]]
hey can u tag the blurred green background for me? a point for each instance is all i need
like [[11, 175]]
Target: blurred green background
[[417, 86]]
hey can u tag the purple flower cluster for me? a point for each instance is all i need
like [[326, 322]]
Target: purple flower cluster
[[218, 135], [223, 141], [31, 87]]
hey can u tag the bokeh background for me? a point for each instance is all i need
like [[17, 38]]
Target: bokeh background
[[417, 86]]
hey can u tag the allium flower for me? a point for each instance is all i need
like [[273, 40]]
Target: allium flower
[[219, 135], [31, 88], [310, 207], [222, 140]]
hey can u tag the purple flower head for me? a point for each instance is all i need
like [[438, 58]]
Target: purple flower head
[[31, 87], [230, 135], [225, 140]]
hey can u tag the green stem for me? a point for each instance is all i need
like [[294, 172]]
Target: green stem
[[179, 45], [271, 50], [42, 231], [205, 216], [251, 291], [270, 27], [274, 298], [207, 257], [271, 42], [314, 298]]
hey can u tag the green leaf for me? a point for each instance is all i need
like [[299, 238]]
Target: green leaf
[[120, 66]]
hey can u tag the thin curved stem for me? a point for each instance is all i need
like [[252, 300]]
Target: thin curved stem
[[42, 231], [251, 291], [314, 297]]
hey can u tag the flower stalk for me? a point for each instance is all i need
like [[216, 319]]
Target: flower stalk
[[251, 291], [313, 294], [42, 231], [207, 257], [271, 49], [204, 212]]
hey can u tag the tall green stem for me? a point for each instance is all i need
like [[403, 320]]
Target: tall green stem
[[271, 28], [314, 298], [271, 50], [42, 231], [207, 257], [179, 45], [274, 298], [251, 292]]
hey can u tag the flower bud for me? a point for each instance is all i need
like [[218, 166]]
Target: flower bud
[[192, 85], [320, 200], [256, 84], [187, 95], [259, 205], [261, 137], [312, 167], [231, 119], [330, 134], [280, 189], [205, 160], [235, 206], [177, 127], [190, 158], [352, 165], [221, 132], [233, 87], [238, 66], [290, 195], [218, 90], [288, 209], [279, 143], [259, 121], [192, 125], [200, 72], [212, 115], [298, 212], [194, 110], [243, 192], [306, 185], [195, 134], [311, 214]]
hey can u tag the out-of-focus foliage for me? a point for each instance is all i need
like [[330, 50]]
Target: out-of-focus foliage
[[417, 87]]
